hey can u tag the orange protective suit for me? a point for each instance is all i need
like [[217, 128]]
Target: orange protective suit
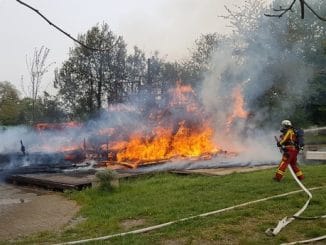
[[290, 153]]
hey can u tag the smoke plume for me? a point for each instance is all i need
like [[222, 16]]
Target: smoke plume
[[256, 58], [246, 69]]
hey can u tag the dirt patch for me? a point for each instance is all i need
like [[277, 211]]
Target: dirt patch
[[207, 242], [24, 211], [75, 221], [174, 242], [132, 223]]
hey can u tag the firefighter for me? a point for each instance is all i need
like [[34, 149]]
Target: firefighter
[[290, 151]]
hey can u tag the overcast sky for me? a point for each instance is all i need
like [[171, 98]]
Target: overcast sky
[[169, 26]]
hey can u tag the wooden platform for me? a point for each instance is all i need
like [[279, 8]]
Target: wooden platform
[[61, 181], [80, 180], [56, 181]]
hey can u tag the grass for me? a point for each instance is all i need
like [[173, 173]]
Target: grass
[[164, 197]]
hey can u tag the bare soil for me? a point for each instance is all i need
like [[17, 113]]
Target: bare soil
[[24, 211], [132, 223], [174, 242]]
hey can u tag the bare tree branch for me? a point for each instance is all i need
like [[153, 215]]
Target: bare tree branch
[[282, 10], [302, 4], [37, 68], [314, 12], [58, 28]]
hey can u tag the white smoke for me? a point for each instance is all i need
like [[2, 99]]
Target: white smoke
[[11, 136], [256, 58]]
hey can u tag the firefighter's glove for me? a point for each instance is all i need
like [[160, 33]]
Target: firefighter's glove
[[278, 144]]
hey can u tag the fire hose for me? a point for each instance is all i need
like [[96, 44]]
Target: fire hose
[[155, 227], [287, 220]]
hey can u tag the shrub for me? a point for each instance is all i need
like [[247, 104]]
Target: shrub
[[106, 179]]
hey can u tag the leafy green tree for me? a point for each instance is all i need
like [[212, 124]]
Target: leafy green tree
[[115, 88], [26, 106], [194, 69], [9, 104], [161, 75], [289, 56], [136, 69], [90, 77], [51, 109], [47, 108], [310, 36]]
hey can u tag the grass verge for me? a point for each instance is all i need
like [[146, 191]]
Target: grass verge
[[164, 197]]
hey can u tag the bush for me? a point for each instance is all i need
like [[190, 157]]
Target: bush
[[106, 179]]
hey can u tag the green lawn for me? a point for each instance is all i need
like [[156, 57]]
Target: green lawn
[[164, 197]]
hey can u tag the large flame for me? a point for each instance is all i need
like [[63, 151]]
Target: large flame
[[238, 108], [163, 144], [185, 138], [179, 129], [183, 95]]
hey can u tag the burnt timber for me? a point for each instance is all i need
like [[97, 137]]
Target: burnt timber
[[53, 181], [62, 181]]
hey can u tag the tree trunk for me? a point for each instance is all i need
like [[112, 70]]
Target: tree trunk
[[100, 84], [302, 8], [90, 98]]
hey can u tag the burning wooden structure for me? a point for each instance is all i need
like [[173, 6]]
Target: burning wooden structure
[[178, 129]]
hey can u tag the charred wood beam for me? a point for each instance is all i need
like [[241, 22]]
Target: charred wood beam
[[303, 3]]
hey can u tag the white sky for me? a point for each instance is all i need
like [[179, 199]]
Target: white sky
[[169, 26]]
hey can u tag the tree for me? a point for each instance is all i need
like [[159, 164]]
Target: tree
[[136, 69], [9, 104], [303, 4], [193, 69], [37, 68], [47, 108], [89, 77], [161, 75], [51, 109], [115, 88], [280, 57], [25, 107]]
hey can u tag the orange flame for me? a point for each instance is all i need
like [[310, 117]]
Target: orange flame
[[187, 140], [192, 143], [183, 95], [162, 144], [182, 129], [238, 108]]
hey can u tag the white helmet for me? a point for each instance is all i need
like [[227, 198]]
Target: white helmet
[[286, 123]]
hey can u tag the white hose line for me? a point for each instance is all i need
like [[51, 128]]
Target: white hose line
[[184, 219], [285, 221], [306, 241]]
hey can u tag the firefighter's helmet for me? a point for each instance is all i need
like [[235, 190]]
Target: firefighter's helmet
[[286, 123]]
